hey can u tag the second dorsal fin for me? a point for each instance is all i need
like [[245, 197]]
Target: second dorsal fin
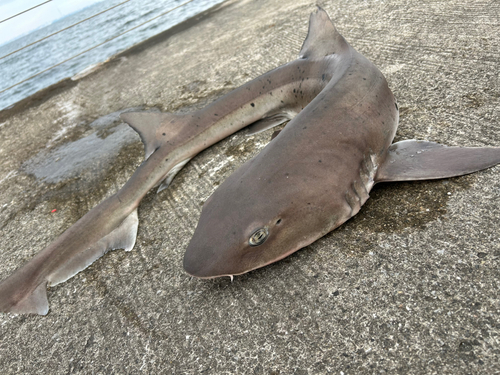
[[322, 39], [153, 127]]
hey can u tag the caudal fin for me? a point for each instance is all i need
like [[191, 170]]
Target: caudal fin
[[18, 300], [25, 291], [420, 160], [122, 237]]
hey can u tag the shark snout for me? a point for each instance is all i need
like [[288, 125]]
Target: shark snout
[[201, 261], [192, 265]]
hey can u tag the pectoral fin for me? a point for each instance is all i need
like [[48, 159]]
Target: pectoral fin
[[420, 160]]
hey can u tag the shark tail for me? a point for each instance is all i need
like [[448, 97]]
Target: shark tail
[[25, 291]]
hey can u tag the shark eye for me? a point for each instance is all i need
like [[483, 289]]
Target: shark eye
[[258, 237]]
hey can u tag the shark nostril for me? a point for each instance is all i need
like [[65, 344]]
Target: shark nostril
[[278, 221]]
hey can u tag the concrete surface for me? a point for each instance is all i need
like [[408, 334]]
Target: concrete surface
[[410, 285]]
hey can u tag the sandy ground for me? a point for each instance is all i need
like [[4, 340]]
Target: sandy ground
[[410, 285]]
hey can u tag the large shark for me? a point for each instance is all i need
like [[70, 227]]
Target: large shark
[[171, 140], [318, 171]]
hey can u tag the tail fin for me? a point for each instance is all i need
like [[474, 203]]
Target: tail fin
[[16, 300], [122, 237], [25, 292]]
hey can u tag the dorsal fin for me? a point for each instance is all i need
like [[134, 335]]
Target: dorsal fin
[[154, 128], [322, 39]]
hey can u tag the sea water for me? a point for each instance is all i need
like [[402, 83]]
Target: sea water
[[51, 51]]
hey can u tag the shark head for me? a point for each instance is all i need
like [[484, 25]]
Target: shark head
[[253, 219]]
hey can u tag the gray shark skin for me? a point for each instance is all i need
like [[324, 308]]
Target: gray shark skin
[[318, 171], [170, 140]]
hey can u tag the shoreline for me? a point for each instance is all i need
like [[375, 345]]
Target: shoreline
[[46, 93]]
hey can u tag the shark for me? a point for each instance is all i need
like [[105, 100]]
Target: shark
[[170, 141], [318, 171]]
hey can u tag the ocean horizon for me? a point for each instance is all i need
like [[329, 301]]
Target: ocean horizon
[[41, 56]]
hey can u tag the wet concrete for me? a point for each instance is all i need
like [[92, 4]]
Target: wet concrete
[[410, 285]]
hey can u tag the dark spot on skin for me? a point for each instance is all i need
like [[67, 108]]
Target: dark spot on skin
[[252, 104], [305, 127], [163, 134], [166, 159], [215, 114], [319, 161], [282, 101], [294, 90], [323, 77], [364, 79]]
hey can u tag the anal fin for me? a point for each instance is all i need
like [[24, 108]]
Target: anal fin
[[267, 123], [122, 237], [420, 160], [171, 174]]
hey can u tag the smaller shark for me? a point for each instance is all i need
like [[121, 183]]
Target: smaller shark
[[170, 141], [318, 171]]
